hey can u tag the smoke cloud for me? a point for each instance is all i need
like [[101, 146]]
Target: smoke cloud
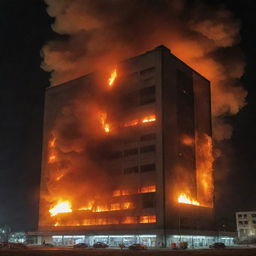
[[101, 33], [97, 34]]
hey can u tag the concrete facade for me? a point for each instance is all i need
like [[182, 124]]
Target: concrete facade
[[146, 164], [246, 225]]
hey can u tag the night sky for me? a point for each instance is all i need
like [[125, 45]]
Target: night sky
[[25, 27]]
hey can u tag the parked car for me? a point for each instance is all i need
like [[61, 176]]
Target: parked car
[[100, 245], [81, 245], [16, 246], [217, 246], [48, 245], [137, 247]]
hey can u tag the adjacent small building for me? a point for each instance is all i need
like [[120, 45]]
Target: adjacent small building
[[246, 225]]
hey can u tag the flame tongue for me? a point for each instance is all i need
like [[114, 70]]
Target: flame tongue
[[184, 199], [61, 207], [112, 78]]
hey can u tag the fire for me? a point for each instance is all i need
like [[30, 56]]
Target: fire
[[184, 199], [147, 189], [87, 207], [105, 125], [61, 207], [205, 170], [148, 119], [112, 78]]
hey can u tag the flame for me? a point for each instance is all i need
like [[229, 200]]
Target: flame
[[147, 189], [148, 219], [205, 171], [61, 207], [101, 208], [131, 123], [52, 158], [59, 177], [112, 78], [127, 205], [105, 125], [184, 199], [148, 119], [52, 142], [87, 207]]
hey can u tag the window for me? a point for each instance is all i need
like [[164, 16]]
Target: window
[[246, 222], [148, 200], [148, 219], [254, 221], [239, 215], [147, 95], [129, 170], [147, 149], [147, 137], [240, 222], [147, 168], [245, 215], [253, 215], [130, 152]]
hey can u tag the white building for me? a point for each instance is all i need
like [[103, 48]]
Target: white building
[[246, 225]]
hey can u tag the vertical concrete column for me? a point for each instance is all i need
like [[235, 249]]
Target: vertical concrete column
[[160, 241]]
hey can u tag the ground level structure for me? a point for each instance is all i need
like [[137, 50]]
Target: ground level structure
[[194, 239]]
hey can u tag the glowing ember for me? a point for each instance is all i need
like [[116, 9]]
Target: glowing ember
[[184, 199], [52, 158], [61, 207], [112, 78], [131, 123], [148, 119], [105, 125], [147, 189]]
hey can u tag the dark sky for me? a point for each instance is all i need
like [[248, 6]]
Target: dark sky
[[25, 28]]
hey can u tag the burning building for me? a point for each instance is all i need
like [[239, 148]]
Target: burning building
[[127, 154]]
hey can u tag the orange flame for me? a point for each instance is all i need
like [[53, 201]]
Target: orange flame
[[184, 199], [112, 78], [148, 119], [105, 125], [61, 207]]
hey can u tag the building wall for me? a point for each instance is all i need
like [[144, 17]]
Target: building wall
[[246, 225], [130, 156]]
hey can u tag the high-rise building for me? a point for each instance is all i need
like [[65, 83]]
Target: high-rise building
[[127, 154]]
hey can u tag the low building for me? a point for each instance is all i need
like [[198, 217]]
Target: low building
[[246, 225]]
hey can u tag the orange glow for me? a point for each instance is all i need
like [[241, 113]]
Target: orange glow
[[129, 220], [204, 170], [115, 207], [187, 140], [59, 177], [127, 205], [147, 189], [148, 219], [61, 207], [184, 199], [148, 119], [101, 208], [131, 123], [112, 78], [52, 142], [52, 158], [105, 125], [87, 207]]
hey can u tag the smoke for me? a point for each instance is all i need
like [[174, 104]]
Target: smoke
[[101, 33], [97, 34]]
